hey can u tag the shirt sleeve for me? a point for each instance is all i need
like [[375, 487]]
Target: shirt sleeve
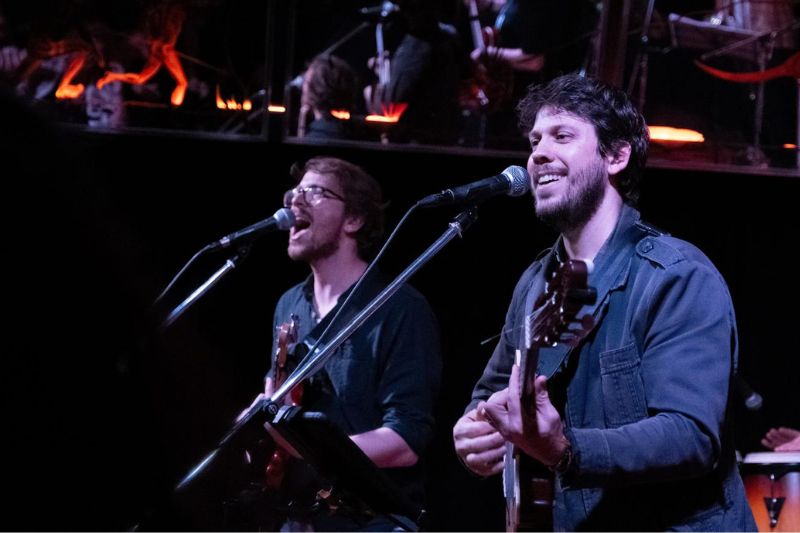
[[409, 381]]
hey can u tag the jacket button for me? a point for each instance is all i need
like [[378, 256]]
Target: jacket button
[[647, 246]]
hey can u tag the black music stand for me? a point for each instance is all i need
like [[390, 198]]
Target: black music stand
[[353, 481], [352, 484]]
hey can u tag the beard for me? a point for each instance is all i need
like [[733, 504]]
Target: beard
[[313, 251], [580, 201]]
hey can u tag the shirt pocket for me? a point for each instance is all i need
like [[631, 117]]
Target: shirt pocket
[[349, 370], [623, 390]]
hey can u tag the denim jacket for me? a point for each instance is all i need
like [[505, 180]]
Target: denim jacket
[[645, 397]]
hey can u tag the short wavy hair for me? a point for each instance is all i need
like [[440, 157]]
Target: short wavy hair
[[362, 197], [331, 84], [614, 117]]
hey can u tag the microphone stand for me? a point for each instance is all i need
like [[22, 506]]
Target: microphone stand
[[265, 411], [229, 265], [315, 361]]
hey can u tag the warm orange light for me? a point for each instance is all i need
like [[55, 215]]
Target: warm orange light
[[66, 90], [667, 133], [168, 22], [790, 146], [272, 108], [391, 113], [178, 94], [232, 104], [340, 114]]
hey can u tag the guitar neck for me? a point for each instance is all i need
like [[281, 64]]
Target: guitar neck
[[383, 63], [475, 27]]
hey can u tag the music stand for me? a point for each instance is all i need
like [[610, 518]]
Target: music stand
[[354, 480]]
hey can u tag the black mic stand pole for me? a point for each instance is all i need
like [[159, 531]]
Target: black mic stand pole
[[229, 265]]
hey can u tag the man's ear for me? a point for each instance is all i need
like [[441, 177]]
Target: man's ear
[[617, 159], [353, 223]]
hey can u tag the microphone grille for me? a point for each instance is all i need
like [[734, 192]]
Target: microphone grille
[[284, 218], [519, 179]]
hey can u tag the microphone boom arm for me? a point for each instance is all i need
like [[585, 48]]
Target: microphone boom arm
[[181, 308]]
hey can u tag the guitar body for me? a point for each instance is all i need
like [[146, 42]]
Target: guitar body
[[527, 484], [530, 507]]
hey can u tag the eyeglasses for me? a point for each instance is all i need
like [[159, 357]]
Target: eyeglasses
[[312, 195]]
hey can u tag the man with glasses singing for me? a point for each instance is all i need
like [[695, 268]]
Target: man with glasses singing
[[381, 384]]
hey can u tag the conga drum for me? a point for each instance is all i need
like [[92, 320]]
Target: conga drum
[[772, 482]]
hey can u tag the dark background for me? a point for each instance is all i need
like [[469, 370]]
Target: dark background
[[101, 416]]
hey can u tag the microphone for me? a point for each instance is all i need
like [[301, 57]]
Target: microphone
[[283, 219], [513, 181], [383, 10], [752, 400]]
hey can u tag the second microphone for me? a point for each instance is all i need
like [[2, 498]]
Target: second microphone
[[513, 181]]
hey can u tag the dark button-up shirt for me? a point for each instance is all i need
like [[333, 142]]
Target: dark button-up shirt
[[385, 375]]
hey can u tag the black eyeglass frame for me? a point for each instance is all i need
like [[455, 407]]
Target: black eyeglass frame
[[318, 193]]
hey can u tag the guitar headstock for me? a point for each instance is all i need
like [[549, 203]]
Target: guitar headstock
[[287, 336], [556, 309]]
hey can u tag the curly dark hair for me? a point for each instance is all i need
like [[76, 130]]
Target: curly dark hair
[[616, 121], [362, 197]]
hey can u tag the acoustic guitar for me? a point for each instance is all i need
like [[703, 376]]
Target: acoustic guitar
[[553, 321], [287, 337]]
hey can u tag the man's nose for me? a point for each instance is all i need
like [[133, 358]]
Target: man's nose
[[541, 153], [298, 198]]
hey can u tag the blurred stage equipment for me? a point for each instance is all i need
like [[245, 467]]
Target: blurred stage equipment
[[749, 32], [772, 483]]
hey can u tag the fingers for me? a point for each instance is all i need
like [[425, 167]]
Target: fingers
[[495, 410], [540, 390], [788, 433], [470, 426], [791, 446], [478, 445], [487, 463], [498, 398], [777, 437], [496, 415]]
